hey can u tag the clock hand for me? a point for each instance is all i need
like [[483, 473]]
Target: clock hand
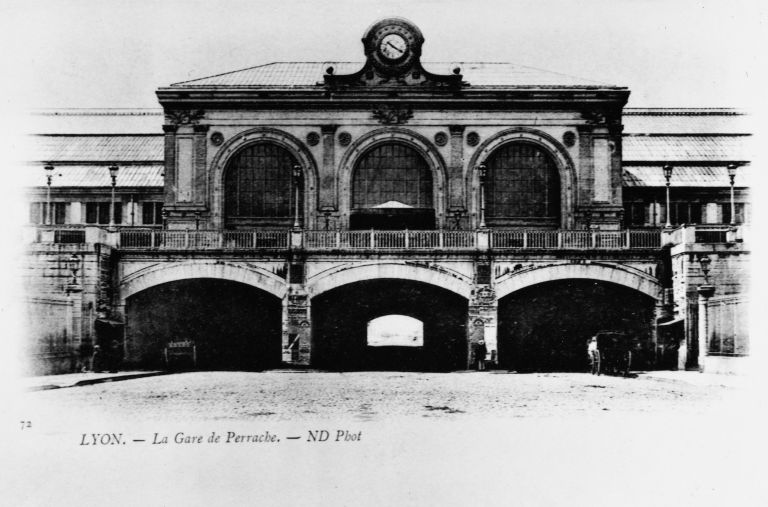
[[393, 46]]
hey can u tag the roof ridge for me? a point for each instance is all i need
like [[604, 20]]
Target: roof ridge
[[223, 73], [683, 111]]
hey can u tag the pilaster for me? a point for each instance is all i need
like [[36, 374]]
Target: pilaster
[[297, 335], [328, 192], [705, 292], [482, 314], [456, 189]]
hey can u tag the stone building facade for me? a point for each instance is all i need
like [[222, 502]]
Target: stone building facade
[[271, 214]]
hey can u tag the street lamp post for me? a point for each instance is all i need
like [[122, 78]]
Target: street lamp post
[[296, 184], [47, 217], [113, 169], [704, 262], [668, 176], [732, 175], [74, 266], [482, 171]]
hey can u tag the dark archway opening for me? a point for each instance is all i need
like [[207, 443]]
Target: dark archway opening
[[234, 326], [341, 317], [546, 327]]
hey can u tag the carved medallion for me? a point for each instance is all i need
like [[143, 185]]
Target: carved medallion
[[473, 139], [569, 139], [313, 138], [345, 138], [441, 139], [217, 138]]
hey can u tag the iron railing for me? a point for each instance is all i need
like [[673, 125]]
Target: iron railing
[[578, 240], [202, 239], [129, 238], [390, 240]]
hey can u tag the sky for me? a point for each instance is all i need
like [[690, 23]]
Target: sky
[[681, 53]]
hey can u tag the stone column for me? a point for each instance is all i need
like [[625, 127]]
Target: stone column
[[75, 324], [328, 197], [199, 163], [297, 335], [601, 166], [705, 292], [455, 183], [482, 321], [170, 163]]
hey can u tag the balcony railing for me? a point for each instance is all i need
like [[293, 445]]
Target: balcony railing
[[127, 238], [203, 240], [390, 240], [578, 240]]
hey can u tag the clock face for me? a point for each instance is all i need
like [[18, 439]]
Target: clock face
[[393, 46]]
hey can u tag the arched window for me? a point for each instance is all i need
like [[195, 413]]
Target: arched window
[[522, 186], [392, 189], [259, 187]]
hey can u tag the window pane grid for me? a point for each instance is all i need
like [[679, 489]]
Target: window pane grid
[[392, 172], [522, 182], [258, 183]]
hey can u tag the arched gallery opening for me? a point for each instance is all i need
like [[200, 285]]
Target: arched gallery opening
[[389, 324], [545, 327], [234, 326]]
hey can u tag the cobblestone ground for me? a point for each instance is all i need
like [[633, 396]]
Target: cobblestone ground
[[288, 395], [560, 439]]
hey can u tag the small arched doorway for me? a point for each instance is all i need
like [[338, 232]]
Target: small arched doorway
[[392, 188], [522, 187], [260, 189]]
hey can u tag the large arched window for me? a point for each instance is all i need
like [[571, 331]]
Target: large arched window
[[392, 189], [522, 186], [259, 187]]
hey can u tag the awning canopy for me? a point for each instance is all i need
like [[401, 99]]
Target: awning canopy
[[673, 322]]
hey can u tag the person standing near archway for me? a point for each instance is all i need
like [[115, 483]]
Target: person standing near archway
[[480, 352]]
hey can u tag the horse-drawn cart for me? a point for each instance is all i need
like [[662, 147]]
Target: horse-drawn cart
[[614, 353]]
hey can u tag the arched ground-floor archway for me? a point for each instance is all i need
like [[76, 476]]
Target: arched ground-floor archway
[[341, 318], [233, 325], [545, 327]]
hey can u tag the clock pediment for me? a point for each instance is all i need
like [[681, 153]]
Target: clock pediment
[[392, 49]]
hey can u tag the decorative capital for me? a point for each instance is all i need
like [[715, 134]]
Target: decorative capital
[[457, 130], [392, 114], [170, 129], [184, 116], [200, 129]]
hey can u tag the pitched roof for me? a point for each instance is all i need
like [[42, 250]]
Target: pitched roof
[[303, 74], [670, 148], [685, 121], [97, 121], [98, 148], [98, 176], [684, 176]]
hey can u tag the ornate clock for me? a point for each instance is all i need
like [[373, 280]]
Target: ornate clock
[[393, 59], [393, 45]]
